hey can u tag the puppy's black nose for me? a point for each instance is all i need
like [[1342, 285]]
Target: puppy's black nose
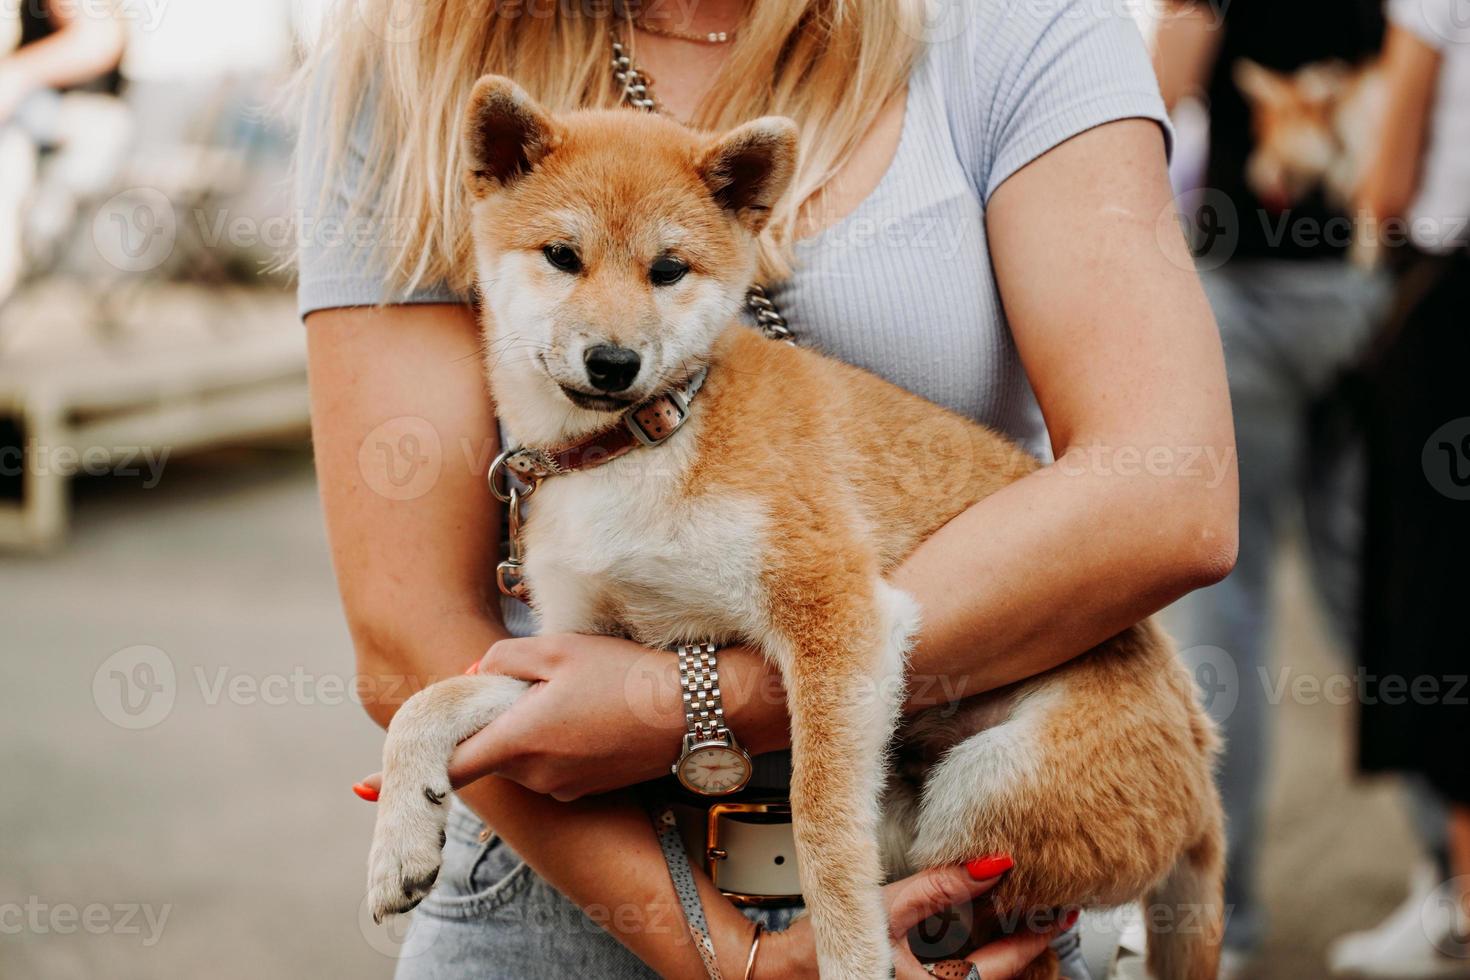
[[611, 368]]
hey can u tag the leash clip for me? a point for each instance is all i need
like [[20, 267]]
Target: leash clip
[[529, 466], [510, 575]]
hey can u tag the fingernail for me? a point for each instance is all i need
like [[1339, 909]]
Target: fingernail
[[474, 668], [366, 792], [992, 866], [1070, 919]]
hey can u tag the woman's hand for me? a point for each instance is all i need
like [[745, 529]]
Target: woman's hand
[[604, 713], [792, 954]]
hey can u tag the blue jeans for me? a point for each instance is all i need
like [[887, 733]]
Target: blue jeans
[[490, 917]]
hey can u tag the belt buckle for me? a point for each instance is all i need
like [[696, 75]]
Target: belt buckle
[[714, 853]]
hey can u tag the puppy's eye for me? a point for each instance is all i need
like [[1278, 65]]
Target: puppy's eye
[[563, 257], [666, 270]]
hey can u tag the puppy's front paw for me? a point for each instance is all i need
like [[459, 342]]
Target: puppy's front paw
[[408, 848]]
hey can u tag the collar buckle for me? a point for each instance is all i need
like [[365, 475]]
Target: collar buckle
[[640, 431]]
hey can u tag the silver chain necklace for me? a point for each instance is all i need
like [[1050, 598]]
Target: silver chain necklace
[[635, 89]]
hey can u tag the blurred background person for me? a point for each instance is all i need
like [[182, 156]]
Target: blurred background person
[[54, 48], [1288, 110], [1417, 528]]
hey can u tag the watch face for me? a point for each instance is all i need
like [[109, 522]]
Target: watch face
[[714, 770]]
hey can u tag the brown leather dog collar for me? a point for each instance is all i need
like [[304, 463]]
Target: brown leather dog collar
[[647, 424]]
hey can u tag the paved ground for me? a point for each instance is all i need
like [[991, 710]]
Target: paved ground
[[216, 837], [1337, 851]]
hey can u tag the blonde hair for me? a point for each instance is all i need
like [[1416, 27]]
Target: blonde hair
[[830, 65]]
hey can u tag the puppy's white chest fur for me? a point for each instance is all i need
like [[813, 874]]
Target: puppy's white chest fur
[[624, 548]]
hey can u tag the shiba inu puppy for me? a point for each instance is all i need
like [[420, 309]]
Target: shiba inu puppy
[[613, 253]]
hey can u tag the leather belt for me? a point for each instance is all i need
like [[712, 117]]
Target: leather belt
[[747, 848]]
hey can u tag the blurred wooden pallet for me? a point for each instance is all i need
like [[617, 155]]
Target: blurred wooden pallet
[[171, 389]]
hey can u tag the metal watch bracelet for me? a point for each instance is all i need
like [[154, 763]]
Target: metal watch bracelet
[[699, 677]]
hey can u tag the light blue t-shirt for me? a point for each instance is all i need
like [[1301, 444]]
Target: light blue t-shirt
[[903, 285]]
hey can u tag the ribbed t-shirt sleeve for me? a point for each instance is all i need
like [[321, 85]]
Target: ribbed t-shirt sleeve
[[1034, 73], [344, 251]]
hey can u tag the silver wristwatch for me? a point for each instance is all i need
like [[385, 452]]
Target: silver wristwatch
[[712, 763]]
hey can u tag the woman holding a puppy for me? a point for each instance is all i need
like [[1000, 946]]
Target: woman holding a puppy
[[981, 215]]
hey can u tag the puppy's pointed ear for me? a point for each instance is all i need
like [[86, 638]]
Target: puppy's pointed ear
[[505, 135], [748, 169], [1259, 83]]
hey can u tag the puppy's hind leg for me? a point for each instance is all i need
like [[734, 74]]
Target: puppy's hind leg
[[1186, 917], [408, 840]]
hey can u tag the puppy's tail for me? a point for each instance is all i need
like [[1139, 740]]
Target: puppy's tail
[[1186, 912]]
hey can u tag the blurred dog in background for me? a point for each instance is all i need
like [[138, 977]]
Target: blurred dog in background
[[1314, 131]]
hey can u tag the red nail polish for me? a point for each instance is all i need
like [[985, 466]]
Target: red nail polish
[[366, 792], [992, 866], [1070, 919], [474, 669]]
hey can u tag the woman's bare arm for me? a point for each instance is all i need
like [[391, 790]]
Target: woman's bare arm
[[1410, 69], [403, 432], [1122, 351], [1185, 45]]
